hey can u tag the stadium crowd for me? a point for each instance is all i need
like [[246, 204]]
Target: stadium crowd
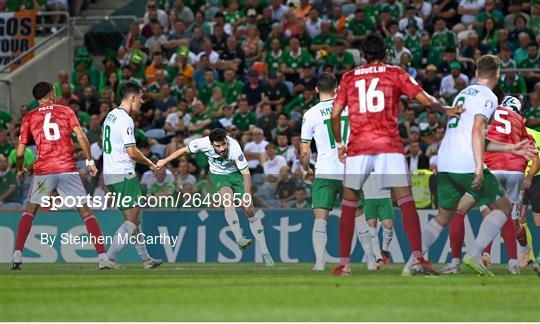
[[251, 67]]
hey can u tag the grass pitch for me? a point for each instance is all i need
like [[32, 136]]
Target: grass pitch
[[252, 292]]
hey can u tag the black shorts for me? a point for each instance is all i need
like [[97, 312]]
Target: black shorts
[[531, 196]]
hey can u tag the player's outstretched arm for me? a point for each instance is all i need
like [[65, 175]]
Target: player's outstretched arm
[[85, 146], [428, 100], [136, 155], [175, 155], [523, 148], [478, 145]]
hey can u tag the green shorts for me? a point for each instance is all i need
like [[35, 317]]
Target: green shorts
[[378, 209], [234, 180], [325, 193], [124, 189], [452, 186]]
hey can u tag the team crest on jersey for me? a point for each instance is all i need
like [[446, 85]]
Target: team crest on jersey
[[130, 131], [241, 157]]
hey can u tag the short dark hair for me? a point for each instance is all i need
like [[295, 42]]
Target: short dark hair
[[487, 65], [327, 83], [129, 89], [217, 135], [42, 89], [374, 48]]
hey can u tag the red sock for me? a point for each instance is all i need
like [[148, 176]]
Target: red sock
[[411, 224], [509, 236], [346, 229], [521, 235], [25, 224], [92, 227], [457, 234], [488, 248]]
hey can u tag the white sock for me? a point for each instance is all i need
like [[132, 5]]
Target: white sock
[[258, 231], [141, 246], [387, 236], [234, 224], [430, 233], [319, 239], [491, 225], [455, 261], [123, 233], [375, 246], [362, 230]]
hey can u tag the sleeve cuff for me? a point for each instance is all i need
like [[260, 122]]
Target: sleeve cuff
[[305, 140], [129, 144]]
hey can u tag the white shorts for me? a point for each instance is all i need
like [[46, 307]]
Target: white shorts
[[512, 182], [67, 184], [389, 169]]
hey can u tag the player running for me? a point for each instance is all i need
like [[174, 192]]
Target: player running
[[328, 180], [508, 127], [229, 173], [119, 157], [372, 93], [461, 165], [51, 126]]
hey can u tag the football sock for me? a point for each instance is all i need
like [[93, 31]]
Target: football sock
[[346, 229], [121, 238], [529, 239], [234, 224], [489, 228], [387, 236], [375, 243], [411, 224], [430, 233], [509, 236], [319, 238], [25, 225], [456, 232], [257, 230], [487, 249], [521, 235], [92, 227], [140, 244], [362, 230]]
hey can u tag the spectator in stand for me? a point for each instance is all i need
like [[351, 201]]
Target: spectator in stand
[[431, 82], [448, 82], [428, 128], [161, 15], [275, 93], [433, 148], [300, 198], [88, 101], [182, 12], [67, 96], [183, 176], [469, 9], [254, 88], [244, 117], [255, 150], [416, 159], [410, 18], [9, 194], [286, 186], [531, 62]]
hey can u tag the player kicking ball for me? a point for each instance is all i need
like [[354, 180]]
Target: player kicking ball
[[51, 126], [508, 127], [328, 180], [461, 165], [371, 92], [230, 175], [119, 157]]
